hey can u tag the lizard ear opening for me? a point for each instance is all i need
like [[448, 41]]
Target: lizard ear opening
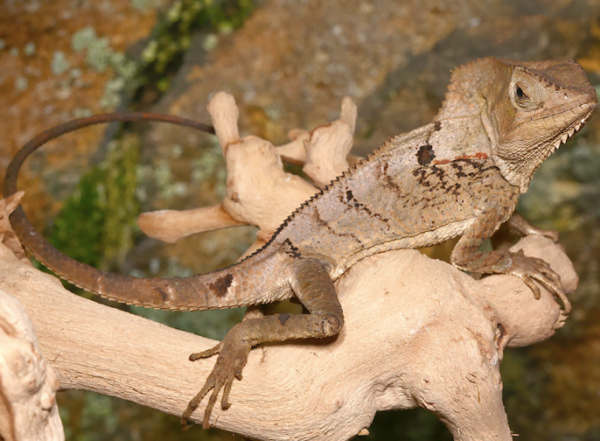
[[525, 92]]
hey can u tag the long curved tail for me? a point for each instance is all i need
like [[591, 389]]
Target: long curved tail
[[219, 289]]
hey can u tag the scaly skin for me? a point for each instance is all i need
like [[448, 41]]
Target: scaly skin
[[461, 175]]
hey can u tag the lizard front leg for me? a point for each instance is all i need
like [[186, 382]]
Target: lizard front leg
[[314, 288], [466, 256]]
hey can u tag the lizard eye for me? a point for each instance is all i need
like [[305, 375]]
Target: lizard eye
[[519, 92], [521, 98], [524, 97], [526, 91]]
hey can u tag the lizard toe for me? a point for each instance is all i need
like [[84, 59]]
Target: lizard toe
[[531, 284], [209, 407], [225, 404], [208, 353]]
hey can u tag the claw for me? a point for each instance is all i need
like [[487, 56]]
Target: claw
[[530, 269], [238, 374], [532, 286], [566, 303], [557, 290]]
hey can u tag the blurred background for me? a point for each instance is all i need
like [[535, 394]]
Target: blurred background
[[288, 63]]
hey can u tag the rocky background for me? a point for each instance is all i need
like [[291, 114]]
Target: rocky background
[[288, 63]]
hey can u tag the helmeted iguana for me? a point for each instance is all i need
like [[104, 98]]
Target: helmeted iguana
[[460, 175]]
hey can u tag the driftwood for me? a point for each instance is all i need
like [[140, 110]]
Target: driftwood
[[28, 384], [259, 192], [417, 331]]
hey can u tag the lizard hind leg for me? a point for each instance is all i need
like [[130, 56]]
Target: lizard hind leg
[[522, 227], [313, 286]]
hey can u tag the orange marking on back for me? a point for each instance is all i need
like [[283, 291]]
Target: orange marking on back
[[478, 155]]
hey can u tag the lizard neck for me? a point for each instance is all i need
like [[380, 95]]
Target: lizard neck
[[446, 140], [461, 138]]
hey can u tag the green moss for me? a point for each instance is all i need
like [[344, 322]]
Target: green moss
[[112, 93], [59, 64], [120, 200], [81, 112], [77, 232], [560, 192], [141, 5], [168, 187], [210, 166], [100, 57], [21, 84], [163, 55], [97, 223], [29, 49], [83, 38]]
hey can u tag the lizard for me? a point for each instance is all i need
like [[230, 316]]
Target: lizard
[[460, 175]]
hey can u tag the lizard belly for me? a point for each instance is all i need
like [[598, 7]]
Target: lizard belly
[[421, 240]]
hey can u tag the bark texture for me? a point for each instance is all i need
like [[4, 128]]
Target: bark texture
[[418, 333]]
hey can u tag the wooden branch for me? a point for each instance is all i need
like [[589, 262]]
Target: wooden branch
[[418, 333], [173, 225], [259, 191], [28, 384]]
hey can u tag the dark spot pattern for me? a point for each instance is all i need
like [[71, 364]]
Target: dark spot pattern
[[163, 295], [353, 202], [293, 251], [425, 154], [323, 222], [459, 169], [443, 177], [221, 285], [388, 181]]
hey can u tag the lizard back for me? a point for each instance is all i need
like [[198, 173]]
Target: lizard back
[[400, 197]]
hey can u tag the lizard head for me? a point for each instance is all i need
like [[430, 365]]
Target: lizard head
[[528, 109]]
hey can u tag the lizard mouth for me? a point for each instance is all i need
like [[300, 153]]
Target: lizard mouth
[[518, 170], [575, 127]]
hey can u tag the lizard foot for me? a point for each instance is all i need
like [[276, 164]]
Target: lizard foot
[[233, 354], [529, 269]]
